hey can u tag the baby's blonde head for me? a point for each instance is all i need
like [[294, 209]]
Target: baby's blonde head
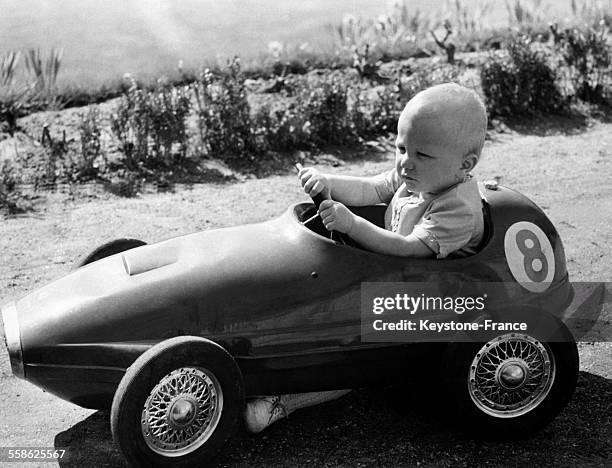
[[458, 114]]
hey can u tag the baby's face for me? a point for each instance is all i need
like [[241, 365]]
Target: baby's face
[[425, 157]]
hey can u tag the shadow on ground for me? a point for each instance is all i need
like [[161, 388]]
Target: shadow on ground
[[387, 427], [574, 122]]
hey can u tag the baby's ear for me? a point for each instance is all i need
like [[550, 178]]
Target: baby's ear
[[469, 162]]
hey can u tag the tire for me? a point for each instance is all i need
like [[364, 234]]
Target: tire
[[509, 385], [152, 398], [110, 248]]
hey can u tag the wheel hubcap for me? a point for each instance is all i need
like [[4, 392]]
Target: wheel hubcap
[[511, 375], [182, 411]]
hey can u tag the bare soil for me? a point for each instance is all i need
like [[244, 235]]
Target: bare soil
[[565, 166]]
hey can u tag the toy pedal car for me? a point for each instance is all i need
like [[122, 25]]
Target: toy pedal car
[[173, 336]]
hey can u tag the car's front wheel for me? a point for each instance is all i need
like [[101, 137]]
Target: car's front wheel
[[512, 384], [177, 404]]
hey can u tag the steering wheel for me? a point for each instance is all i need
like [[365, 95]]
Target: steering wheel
[[340, 237]]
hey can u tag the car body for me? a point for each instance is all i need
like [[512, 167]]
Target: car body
[[281, 298]]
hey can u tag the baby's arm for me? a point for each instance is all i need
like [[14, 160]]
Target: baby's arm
[[387, 242], [351, 190], [337, 217]]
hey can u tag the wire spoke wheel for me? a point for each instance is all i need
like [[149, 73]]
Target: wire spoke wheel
[[182, 411], [511, 375], [178, 403]]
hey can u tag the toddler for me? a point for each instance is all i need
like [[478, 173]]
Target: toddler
[[434, 205]]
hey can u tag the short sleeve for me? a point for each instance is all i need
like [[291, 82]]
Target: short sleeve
[[447, 225], [386, 184]]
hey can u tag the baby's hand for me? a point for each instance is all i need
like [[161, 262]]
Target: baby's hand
[[313, 182], [336, 216]]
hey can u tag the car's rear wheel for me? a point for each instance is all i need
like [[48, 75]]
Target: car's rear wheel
[[511, 384], [110, 248], [177, 404]]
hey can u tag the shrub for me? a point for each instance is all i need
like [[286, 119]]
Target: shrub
[[381, 107], [8, 179], [91, 145], [54, 162], [11, 199], [429, 75], [223, 112], [365, 64], [57, 160], [279, 128], [169, 107], [14, 103], [150, 125], [317, 114], [588, 56], [339, 109], [521, 83], [323, 104], [375, 112]]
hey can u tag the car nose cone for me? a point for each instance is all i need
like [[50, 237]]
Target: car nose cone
[[13, 338]]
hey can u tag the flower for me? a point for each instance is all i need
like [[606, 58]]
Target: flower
[[275, 48]]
